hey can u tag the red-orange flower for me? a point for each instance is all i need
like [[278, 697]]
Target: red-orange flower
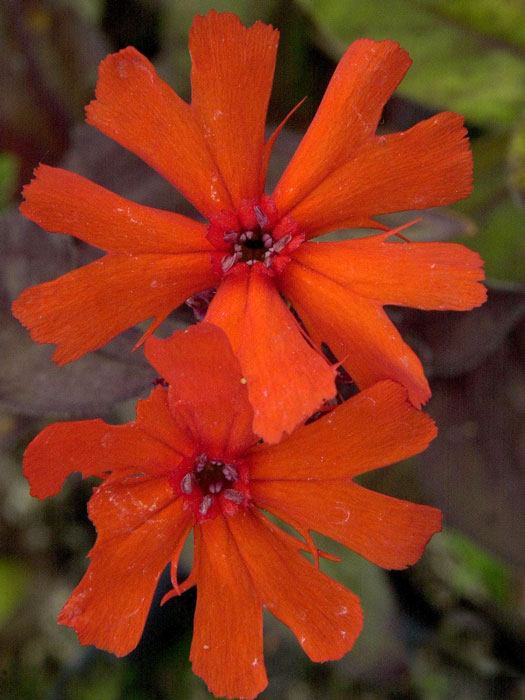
[[256, 247], [191, 460]]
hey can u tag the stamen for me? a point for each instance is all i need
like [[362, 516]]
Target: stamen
[[229, 261], [245, 236], [200, 462], [231, 236], [281, 243], [210, 485], [233, 495], [267, 240], [186, 484], [230, 472], [260, 216], [206, 504]]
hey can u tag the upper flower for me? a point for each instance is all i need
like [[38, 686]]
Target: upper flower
[[191, 460], [255, 248]]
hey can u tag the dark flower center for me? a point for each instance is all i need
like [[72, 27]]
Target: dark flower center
[[211, 486]]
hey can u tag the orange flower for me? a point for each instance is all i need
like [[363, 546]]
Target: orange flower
[[191, 460], [256, 247]]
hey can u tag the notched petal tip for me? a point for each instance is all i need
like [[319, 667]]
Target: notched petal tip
[[129, 96], [231, 78]]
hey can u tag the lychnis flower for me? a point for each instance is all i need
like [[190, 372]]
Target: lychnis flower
[[256, 248], [191, 460]]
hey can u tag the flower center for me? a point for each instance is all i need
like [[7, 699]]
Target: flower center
[[254, 233], [211, 486]]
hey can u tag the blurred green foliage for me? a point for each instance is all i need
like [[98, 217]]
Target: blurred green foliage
[[8, 170], [15, 577], [460, 61], [477, 573]]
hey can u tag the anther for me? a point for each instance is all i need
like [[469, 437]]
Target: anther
[[229, 261], [230, 236], [230, 472], [205, 505], [200, 462], [260, 216], [282, 243], [186, 484], [231, 495], [242, 238], [249, 235], [267, 240], [215, 488]]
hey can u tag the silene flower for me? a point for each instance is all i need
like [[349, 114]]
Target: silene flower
[[191, 460], [256, 248]]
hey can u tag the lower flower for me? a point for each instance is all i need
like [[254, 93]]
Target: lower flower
[[191, 460]]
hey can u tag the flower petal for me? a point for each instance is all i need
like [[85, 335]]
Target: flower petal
[[357, 330], [287, 379], [140, 111], [86, 308], [63, 202], [377, 427], [205, 387], [154, 418], [325, 617], [422, 275], [227, 646], [91, 447], [139, 524], [231, 81], [389, 532], [429, 165], [348, 115]]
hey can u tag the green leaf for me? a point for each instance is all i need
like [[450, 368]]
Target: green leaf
[[502, 243], [457, 65], [477, 574], [503, 21], [495, 206]]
